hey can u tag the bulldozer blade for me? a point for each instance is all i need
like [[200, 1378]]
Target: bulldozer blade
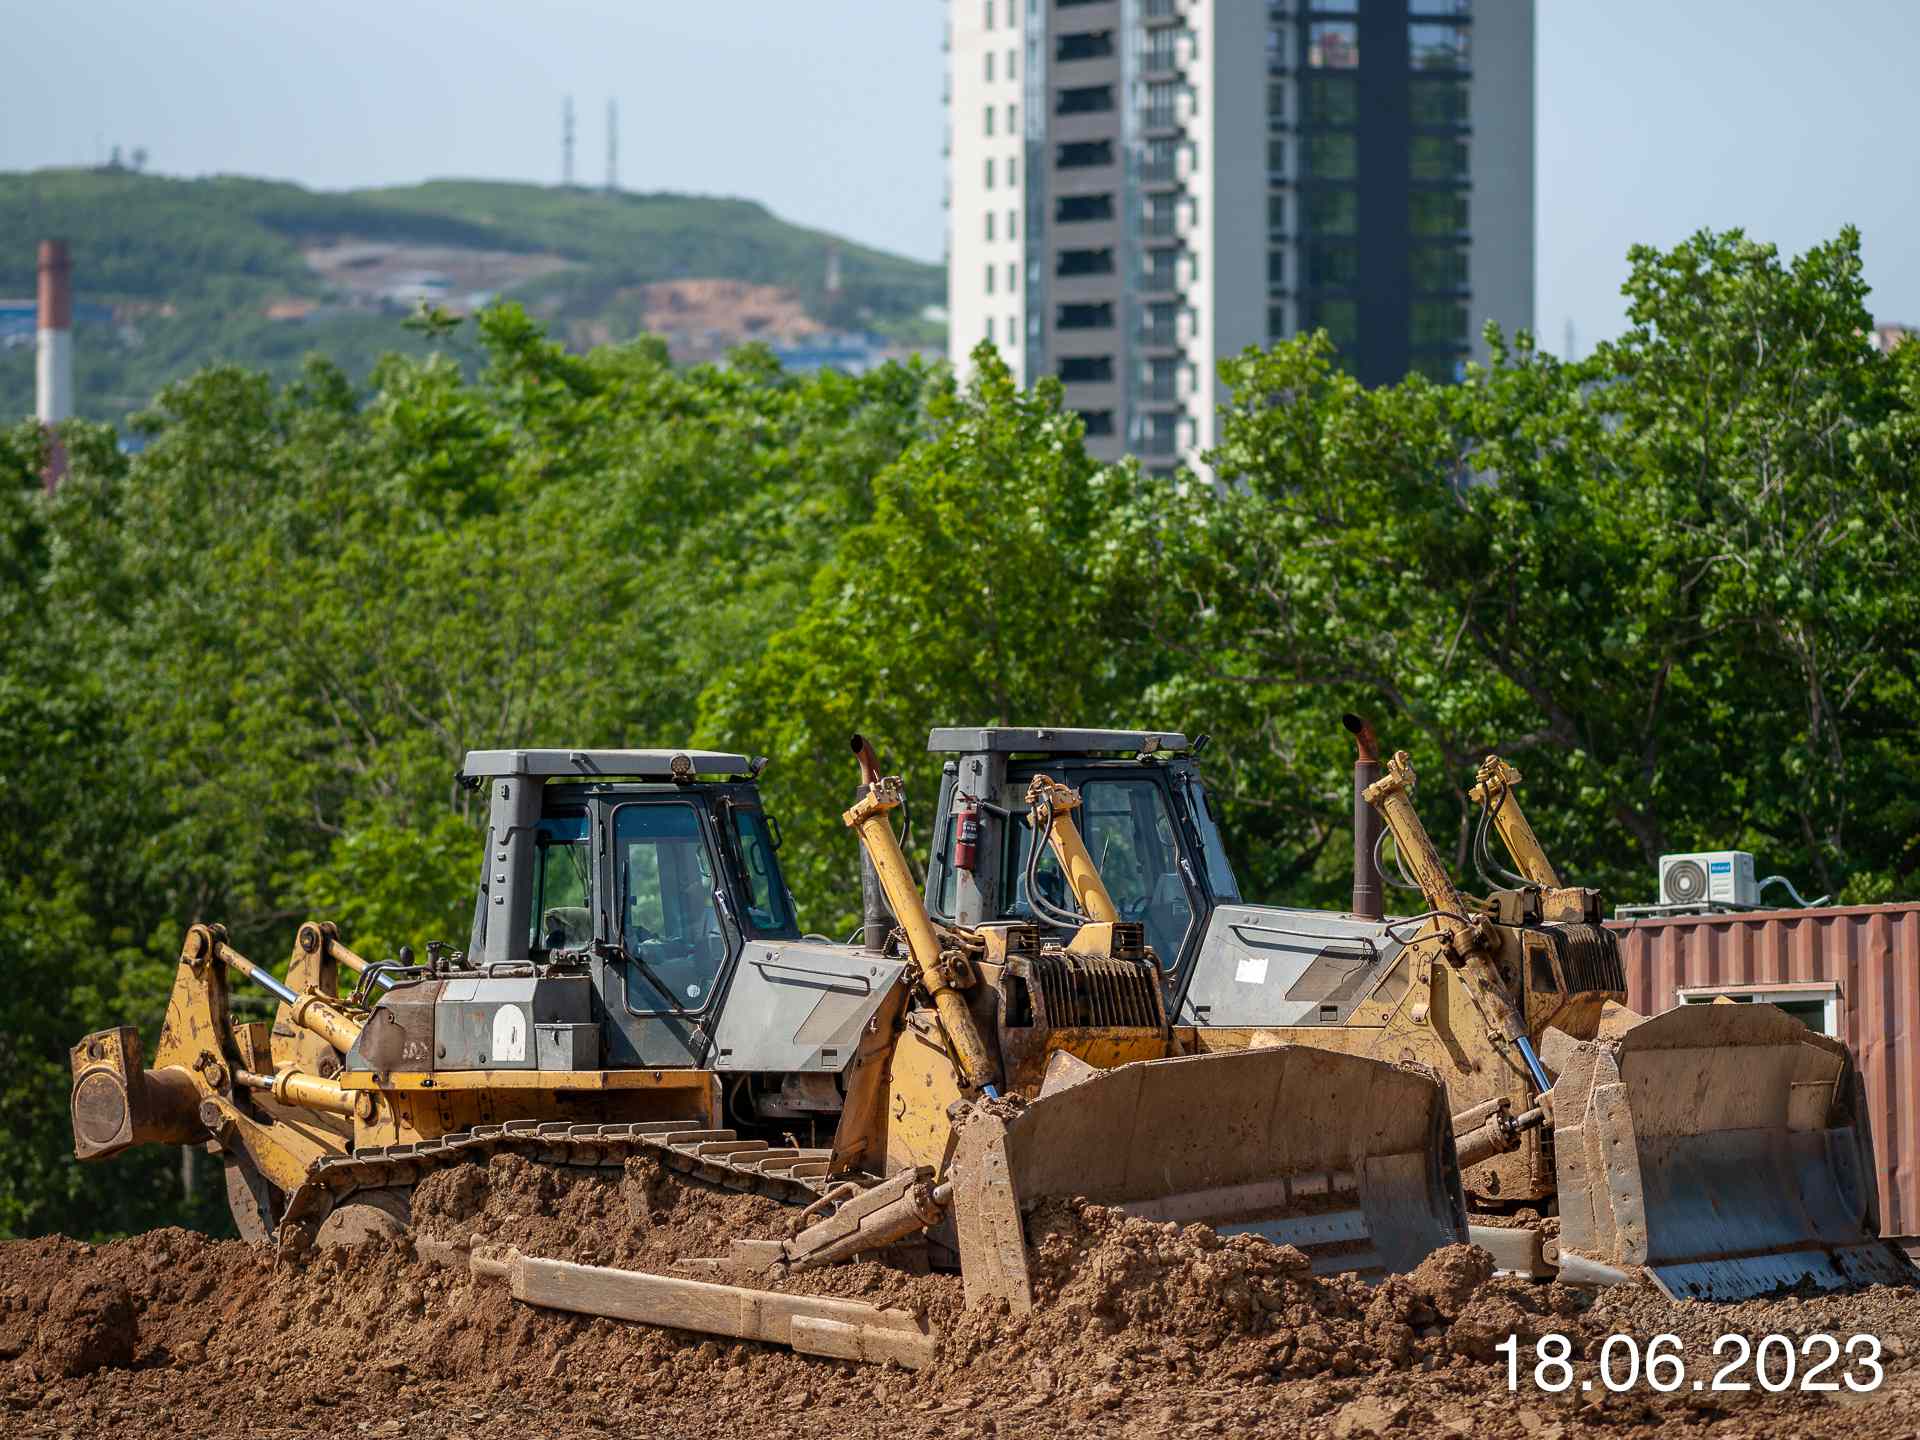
[[1349, 1159], [1723, 1149]]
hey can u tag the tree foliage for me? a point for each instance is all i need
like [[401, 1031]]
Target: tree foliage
[[1675, 582]]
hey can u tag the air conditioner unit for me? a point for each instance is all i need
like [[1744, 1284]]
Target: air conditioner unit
[[1710, 877]]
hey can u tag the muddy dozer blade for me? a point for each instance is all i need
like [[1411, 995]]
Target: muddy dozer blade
[[1725, 1149], [1349, 1159]]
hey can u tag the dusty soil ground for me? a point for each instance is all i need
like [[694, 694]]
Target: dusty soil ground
[[1143, 1330]]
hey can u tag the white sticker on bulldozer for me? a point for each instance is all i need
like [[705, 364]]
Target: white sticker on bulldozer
[[509, 1034], [1251, 970]]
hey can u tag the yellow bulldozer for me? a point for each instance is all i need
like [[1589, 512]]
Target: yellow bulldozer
[[635, 983], [1722, 1150]]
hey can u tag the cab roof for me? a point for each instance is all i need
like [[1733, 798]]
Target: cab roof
[[1040, 740], [606, 764]]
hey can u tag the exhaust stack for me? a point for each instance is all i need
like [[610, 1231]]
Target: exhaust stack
[[53, 371], [1369, 901]]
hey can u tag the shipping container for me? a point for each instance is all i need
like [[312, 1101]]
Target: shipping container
[[1850, 971]]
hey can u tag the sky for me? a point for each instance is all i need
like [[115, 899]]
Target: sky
[[1654, 117]]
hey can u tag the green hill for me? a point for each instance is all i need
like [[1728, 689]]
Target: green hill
[[189, 267]]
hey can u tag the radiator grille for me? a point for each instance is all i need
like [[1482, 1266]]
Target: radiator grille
[[1590, 958], [1075, 991]]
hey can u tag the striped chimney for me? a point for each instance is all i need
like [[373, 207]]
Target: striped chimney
[[53, 393]]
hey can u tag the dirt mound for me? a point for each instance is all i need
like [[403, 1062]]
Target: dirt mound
[[1141, 1329]]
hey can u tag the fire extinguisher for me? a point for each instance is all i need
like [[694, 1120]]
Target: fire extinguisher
[[966, 833]]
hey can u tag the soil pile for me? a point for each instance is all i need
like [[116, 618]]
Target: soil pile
[[1141, 1329]]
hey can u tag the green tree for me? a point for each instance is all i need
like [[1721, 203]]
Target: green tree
[[967, 598], [1673, 582]]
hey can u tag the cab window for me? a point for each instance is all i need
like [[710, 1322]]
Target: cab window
[[768, 911], [1129, 831], [563, 883], [1219, 868], [668, 919]]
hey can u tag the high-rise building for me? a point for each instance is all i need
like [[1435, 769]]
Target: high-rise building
[[1138, 188]]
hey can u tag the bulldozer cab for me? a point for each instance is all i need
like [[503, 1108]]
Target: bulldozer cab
[[644, 873], [1145, 817]]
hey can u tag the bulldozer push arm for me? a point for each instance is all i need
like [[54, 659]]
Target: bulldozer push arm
[[943, 969], [210, 1076], [1050, 807], [1466, 936]]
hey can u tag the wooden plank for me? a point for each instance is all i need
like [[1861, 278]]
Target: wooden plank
[[812, 1324]]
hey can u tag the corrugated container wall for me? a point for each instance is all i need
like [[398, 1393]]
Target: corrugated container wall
[[1871, 953]]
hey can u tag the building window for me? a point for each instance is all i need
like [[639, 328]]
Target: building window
[[1333, 267], [1010, 61], [1333, 157], [988, 25], [1160, 161], [1160, 324], [1013, 328], [1013, 119], [1334, 212], [1276, 214], [1160, 269], [1333, 45], [1441, 368], [1437, 212], [1439, 268], [989, 225], [989, 329], [1013, 171], [1438, 157], [1071, 209], [1013, 278], [989, 172], [1438, 102], [1162, 96], [1276, 269], [1276, 159], [1086, 369], [1458, 8], [1160, 378], [1087, 45], [989, 279], [1081, 154], [1276, 322], [1438, 322], [989, 67], [1084, 317], [1333, 99], [1098, 422], [1438, 47], [1815, 1004], [1083, 100], [1276, 105], [1278, 35], [1339, 318], [1160, 51], [1013, 224], [1084, 262], [989, 120]]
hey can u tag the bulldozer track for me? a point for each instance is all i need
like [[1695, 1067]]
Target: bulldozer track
[[791, 1174]]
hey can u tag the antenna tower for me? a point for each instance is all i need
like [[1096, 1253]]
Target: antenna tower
[[566, 142], [613, 146]]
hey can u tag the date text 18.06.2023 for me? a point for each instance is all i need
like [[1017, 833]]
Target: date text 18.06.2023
[[1773, 1363]]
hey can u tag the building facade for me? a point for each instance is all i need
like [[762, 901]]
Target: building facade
[[1139, 188]]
